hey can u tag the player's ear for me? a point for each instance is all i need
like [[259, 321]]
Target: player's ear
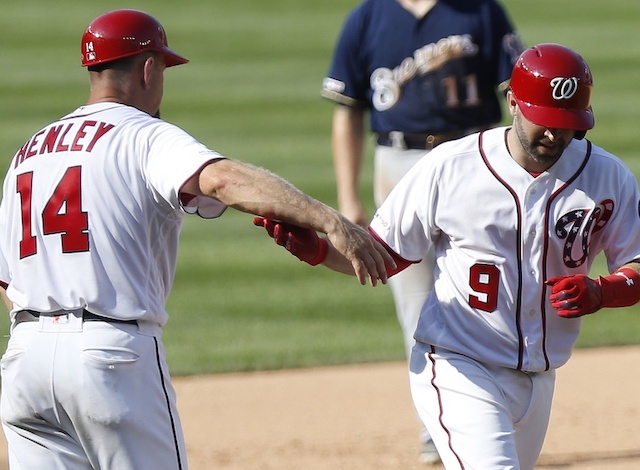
[[148, 71], [152, 66], [511, 102]]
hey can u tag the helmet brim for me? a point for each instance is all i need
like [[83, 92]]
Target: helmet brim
[[172, 58], [557, 118]]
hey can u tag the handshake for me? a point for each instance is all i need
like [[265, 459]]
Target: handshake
[[304, 243], [349, 249]]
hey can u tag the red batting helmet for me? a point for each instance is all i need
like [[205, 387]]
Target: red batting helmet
[[123, 33], [552, 86]]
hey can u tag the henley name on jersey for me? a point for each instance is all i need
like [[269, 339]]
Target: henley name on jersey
[[63, 138]]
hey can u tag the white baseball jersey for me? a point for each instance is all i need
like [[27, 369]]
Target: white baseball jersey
[[91, 213], [498, 233]]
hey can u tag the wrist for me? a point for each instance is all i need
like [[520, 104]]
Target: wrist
[[620, 289]]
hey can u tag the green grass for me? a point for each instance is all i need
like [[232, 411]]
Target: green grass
[[251, 91]]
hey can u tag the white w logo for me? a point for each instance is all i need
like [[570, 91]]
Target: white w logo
[[564, 88]]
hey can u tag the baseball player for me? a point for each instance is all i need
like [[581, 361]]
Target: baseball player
[[516, 216], [426, 72], [89, 223]]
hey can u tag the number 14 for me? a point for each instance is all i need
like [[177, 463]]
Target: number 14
[[61, 214]]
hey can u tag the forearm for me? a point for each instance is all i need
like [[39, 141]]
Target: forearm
[[254, 190], [5, 299], [622, 288], [577, 295], [633, 265], [347, 141]]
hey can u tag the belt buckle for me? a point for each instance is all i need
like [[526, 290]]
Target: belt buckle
[[397, 140], [430, 142]]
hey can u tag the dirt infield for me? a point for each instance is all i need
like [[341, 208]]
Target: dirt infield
[[360, 417]]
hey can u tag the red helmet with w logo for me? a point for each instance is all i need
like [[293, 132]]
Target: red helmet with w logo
[[552, 85]]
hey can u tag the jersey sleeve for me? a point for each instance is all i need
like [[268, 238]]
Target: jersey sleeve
[[404, 221], [622, 236], [174, 157], [347, 81], [4, 278]]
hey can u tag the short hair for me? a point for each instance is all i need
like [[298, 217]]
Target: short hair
[[123, 64]]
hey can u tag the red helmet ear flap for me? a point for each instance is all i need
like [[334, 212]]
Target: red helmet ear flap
[[123, 33], [552, 85]]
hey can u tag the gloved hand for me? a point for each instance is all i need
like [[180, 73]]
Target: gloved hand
[[575, 296], [302, 242]]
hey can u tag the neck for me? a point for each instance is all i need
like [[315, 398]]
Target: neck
[[521, 157], [109, 87], [419, 8]]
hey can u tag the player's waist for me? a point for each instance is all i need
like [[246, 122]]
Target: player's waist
[[32, 316], [401, 140]]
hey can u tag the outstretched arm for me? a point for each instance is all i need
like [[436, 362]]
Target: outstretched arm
[[254, 190], [305, 244]]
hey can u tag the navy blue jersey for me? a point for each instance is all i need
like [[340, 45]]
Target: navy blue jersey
[[432, 75]]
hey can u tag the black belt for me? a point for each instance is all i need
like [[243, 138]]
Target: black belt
[[418, 141], [86, 316]]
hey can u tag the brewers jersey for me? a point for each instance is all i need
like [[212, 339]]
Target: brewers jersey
[[435, 74]]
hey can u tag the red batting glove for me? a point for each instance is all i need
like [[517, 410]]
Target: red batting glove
[[575, 296], [302, 242]]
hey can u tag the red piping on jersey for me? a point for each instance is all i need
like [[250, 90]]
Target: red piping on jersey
[[3, 284], [518, 312], [545, 249], [440, 406], [544, 255]]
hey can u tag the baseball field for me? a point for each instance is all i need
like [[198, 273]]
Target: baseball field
[[277, 364]]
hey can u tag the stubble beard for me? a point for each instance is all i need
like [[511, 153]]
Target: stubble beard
[[548, 156]]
